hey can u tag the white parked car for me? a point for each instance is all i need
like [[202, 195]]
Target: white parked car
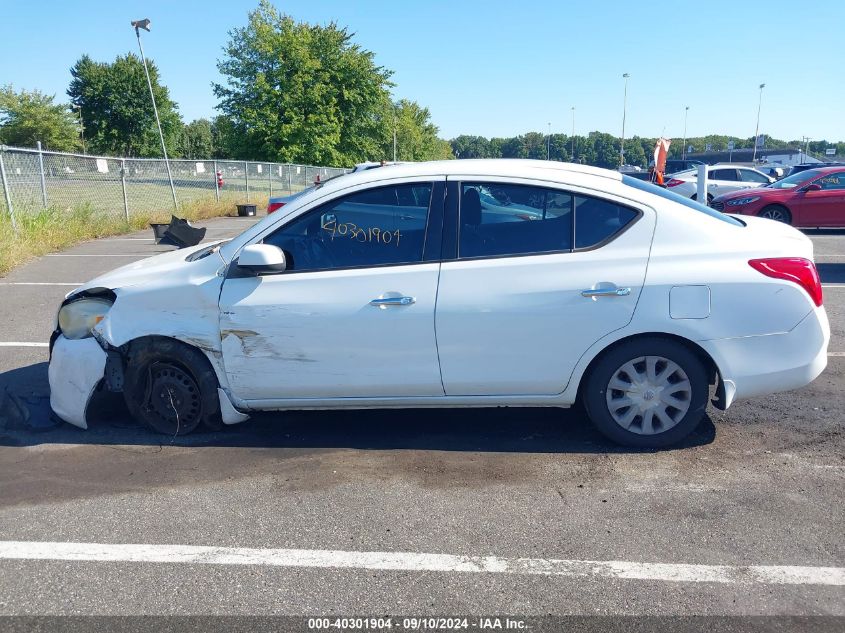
[[597, 287], [720, 179]]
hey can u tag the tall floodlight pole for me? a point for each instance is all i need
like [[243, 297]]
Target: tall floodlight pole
[[549, 143], [624, 111], [145, 24], [573, 134], [684, 146], [757, 129]]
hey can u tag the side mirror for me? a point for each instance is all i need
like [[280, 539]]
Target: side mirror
[[262, 259], [813, 186]]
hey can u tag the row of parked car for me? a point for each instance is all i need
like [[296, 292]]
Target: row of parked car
[[810, 196]]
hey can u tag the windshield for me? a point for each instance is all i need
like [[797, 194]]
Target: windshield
[[796, 180], [674, 197]]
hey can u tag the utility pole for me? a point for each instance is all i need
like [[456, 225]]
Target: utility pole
[[757, 129], [684, 146], [806, 140], [624, 111], [145, 24], [549, 143], [573, 134]]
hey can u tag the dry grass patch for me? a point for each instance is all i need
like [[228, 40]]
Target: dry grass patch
[[55, 229]]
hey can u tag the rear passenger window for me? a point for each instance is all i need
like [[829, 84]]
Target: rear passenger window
[[723, 174], [597, 220], [499, 220]]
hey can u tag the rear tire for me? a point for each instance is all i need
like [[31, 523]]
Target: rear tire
[[709, 197], [646, 393], [776, 212], [170, 387]]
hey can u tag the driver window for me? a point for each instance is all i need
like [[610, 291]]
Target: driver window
[[374, 227]]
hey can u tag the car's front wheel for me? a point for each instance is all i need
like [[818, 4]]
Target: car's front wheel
[[777, 213], [647, 393], [170, 387]]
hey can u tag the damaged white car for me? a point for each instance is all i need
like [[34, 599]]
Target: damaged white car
[[456, 284]]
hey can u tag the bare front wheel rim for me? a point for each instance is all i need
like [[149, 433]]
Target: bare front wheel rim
[[648, 395]]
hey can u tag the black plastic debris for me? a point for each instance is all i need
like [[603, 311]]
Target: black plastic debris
[[247, 209], [178, 233]]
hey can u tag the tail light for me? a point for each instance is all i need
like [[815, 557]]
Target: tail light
[[796, 269], [274, 206], [674, 182]]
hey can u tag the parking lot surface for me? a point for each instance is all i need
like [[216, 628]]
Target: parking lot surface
[[524, 511]]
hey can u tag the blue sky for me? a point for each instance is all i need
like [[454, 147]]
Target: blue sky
[[498, 68]]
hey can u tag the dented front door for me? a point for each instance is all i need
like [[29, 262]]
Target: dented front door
[[353, 315], [316, 335]]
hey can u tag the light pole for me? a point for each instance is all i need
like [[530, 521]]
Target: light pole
[[145, 24], [684, 146], [573, 134], [81, 125], [806, 140], [757, 129], [549, 143], [394, 132], [624, 111]]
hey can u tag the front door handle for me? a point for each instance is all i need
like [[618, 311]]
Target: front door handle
[[393, 301], [606, 292]]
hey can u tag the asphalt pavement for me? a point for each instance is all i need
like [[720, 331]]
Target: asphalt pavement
[[423, 512]]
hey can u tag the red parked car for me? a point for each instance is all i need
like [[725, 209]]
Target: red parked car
[[811, 198]]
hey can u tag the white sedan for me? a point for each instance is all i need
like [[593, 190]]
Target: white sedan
[[720, 179], [408, 287]]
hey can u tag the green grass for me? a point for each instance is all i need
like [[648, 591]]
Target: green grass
[[56, 228]]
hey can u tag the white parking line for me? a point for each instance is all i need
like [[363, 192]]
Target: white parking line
[[839, 354], [40, 283], [87, 255], [411, 561], [23, 344], [833, 285]]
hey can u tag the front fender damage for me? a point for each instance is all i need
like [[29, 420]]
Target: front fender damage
[[181, 305]]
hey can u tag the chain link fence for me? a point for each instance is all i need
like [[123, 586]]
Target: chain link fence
[[33, 180]]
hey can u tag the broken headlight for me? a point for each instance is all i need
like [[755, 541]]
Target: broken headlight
[[78, 318]]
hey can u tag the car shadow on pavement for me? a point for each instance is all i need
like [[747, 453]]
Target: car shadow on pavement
[[831, 273], [503, 429]]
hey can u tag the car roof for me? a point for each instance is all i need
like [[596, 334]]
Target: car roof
[[480, 167]]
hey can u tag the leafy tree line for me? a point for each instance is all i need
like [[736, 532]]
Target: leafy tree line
[[602, 150], [291, 92]]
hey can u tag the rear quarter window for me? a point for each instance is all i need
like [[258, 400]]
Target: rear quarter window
[[668, 195]]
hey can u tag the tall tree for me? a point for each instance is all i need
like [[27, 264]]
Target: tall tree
[[416, 135], [116, 109], [297, 92], [197, 140], [27, 117]]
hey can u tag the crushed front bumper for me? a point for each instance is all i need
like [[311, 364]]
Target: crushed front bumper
[[76, 368]]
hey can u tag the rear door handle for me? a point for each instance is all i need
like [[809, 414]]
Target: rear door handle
[[606, 292], [393, 301]]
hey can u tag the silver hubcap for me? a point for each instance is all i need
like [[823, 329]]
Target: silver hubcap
[[648, 395]]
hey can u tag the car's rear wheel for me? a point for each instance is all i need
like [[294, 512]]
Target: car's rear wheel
[[647, 393], [709, 197], [170, 387], [776, 212]]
